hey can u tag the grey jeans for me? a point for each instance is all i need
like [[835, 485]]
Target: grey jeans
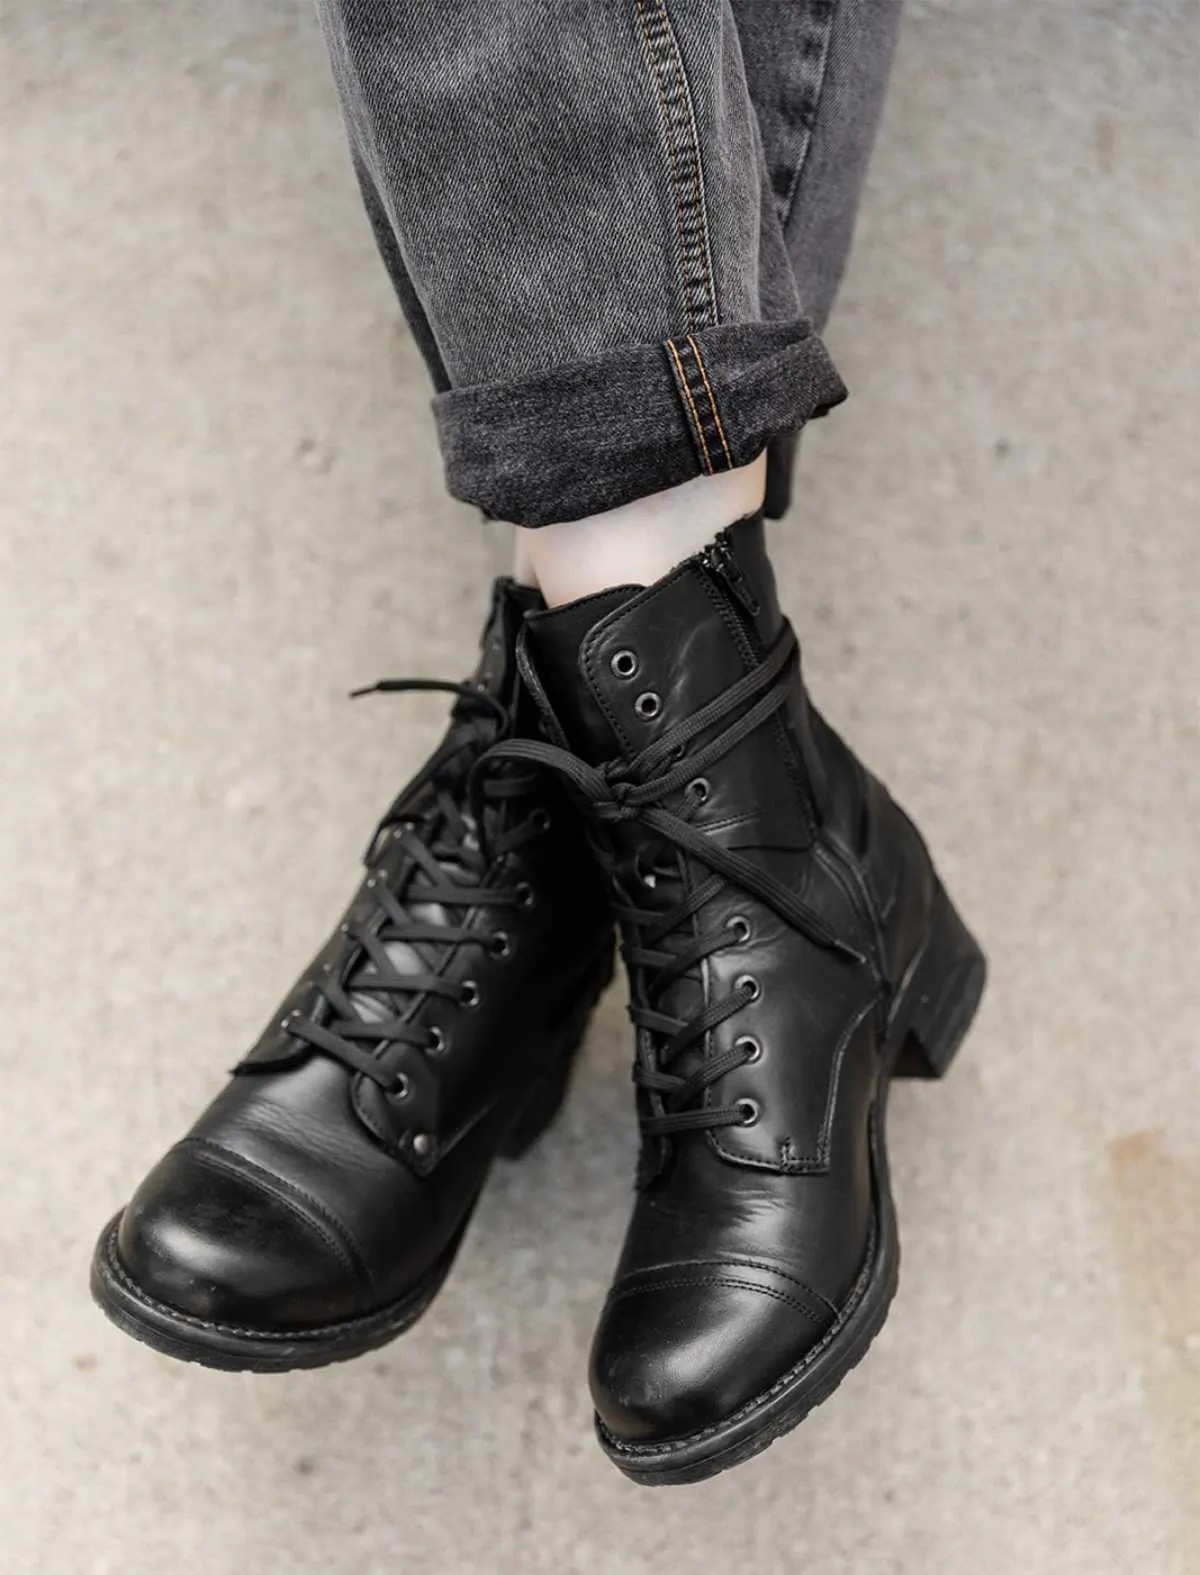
[[615, 226]]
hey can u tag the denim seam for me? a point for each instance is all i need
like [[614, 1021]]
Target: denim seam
[[812, 109], [764, 378], [683, 153], [712, 400], [689, 398], [696, 391]]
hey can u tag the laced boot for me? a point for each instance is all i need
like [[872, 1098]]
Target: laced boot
[[789, 950], [314, 1210]]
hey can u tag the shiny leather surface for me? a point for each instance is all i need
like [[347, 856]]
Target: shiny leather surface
[[745, 1239], [305, 1194]]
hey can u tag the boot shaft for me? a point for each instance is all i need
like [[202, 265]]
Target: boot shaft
[[749, 853]]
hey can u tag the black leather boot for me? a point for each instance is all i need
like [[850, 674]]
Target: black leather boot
[[314, 1210], [789, 950]]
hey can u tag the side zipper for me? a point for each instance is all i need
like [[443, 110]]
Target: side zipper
[[723, 567], [721, 563]]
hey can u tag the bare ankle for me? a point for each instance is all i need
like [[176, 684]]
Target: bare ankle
[[639, 542]]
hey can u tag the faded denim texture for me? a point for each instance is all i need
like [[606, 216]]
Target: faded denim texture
[[615, 226]]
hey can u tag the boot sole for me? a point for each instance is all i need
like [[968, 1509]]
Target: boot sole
[[933, 1009], [241, 1349]]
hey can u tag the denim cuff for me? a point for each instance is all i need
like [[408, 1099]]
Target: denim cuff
[[581, 438]]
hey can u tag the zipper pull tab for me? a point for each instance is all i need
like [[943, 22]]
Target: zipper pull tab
[[722, 563]]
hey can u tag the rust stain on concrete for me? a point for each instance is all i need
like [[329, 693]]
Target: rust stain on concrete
[[1156, 1217]]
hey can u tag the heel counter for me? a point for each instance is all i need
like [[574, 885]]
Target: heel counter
[[900, 877], [893, 863]]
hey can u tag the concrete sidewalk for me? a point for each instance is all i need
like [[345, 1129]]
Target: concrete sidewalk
[[220, 509]]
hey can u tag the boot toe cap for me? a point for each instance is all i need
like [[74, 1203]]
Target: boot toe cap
[[215, 1238], [681, 1354]]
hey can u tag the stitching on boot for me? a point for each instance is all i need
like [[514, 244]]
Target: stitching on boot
[[809, 1164], [380, 1318], [300, 1204], [646, 1276], [722, 1282], [651, 1451]]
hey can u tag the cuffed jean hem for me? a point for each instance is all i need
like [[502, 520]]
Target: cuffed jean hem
[[590, 435]]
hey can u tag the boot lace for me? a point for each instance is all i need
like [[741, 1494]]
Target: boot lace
[[634, 791], [442, 837]]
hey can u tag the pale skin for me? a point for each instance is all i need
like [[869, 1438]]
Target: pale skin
[[639, 542]]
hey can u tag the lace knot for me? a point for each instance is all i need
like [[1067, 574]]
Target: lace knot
[[615, 802]]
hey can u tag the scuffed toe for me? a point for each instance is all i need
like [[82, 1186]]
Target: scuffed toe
[[211, 1237], [681, 1352]]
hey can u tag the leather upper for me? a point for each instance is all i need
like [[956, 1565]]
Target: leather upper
[[307, 1192], [746, 1238]]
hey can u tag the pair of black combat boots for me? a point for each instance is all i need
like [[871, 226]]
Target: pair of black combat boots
[[649, 758]]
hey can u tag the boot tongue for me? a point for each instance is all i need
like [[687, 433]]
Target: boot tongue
[[555, 641], [561, 646], [494, 675]]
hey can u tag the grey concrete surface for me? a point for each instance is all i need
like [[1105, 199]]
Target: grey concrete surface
[[221, 508]]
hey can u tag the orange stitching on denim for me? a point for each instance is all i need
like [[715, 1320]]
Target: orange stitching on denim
[[711, 399], [659, 59], [697, 167], [676, 177], [687, 394]]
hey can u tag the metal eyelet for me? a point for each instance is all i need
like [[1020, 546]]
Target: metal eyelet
[[401, 1088], [750, 1111], [470, 994], [750, 1047], [749, 986], [541, 820], [525, 894], [437, 1042], [740, 925], [624, 663], [699, 789], [501, 944], [648, 705], [422, 1144]]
